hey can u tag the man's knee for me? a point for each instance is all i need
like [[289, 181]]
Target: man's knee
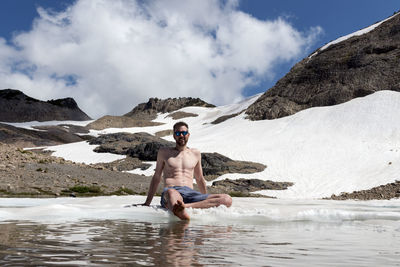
[[173, 193], [170, 191], [226, 200]]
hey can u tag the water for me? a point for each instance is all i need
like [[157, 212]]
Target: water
[[254, 232]]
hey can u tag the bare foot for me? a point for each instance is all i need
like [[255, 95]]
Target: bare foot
[[179, 210]]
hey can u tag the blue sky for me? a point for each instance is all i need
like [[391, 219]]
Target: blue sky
[[311, 24]]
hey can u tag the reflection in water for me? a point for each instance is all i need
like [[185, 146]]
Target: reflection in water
[[127, 243], [100, 242], [176, 247]]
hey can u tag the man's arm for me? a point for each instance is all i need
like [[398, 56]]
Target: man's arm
[[155, 181], [198, 175]]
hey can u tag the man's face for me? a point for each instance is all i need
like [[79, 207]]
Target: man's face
[[181, 140]]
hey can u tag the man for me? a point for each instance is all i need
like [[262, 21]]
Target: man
[[177, 165]]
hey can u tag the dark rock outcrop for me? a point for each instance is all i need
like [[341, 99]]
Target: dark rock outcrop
[[139, 145], [215, 165], [225, 117], [356, 67], [249, 185], [15, 106], [149, 110], [47, 136], [387, 191]]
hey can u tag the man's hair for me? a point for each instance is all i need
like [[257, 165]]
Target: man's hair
[[179, 124]]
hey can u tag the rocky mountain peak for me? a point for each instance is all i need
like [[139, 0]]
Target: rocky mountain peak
[[11, 94], [355, 67], [150, 109], [15, 106], [64, 102]]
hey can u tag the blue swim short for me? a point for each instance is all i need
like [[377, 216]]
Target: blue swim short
[[188, 194]]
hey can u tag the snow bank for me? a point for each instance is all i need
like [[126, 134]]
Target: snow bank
[[244, 211]]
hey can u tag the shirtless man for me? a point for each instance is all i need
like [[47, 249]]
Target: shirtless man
[[178, 165]]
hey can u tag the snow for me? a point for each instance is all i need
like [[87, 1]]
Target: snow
[[82, 152], [147, 172], [323, 150], [243, 211], [28, 125]]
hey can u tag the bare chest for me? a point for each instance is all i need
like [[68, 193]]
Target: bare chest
[[182, 161]]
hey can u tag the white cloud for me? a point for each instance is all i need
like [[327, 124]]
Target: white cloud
[[113, 54]]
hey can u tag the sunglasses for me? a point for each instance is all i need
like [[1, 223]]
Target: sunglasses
[[178, 133]]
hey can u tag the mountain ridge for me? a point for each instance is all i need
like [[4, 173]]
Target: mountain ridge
[[355, 67], [155, 105], [15, 106]]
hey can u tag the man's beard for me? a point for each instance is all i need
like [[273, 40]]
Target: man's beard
[[181, 142]]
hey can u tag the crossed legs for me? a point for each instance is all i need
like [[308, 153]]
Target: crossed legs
[[177, 206]]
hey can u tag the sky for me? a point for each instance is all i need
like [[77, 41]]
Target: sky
[[110, 55]]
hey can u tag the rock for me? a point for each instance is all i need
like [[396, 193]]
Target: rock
[[225, 117], [249, 185], [143, 146], [15, 106], [215, 164], [388, 191], [164, 133], [143, 114], [149, 110], [147, 151], [119, 122], [49, 135], [10, 166], [356, 67], [43, 176], [180, 115]]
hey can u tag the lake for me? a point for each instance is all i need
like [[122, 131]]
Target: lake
[[253, 232]]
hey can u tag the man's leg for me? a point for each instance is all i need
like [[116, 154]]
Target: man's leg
[[213, 200], [176, 205]]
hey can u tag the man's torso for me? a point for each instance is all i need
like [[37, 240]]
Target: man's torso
[[179, 166]]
